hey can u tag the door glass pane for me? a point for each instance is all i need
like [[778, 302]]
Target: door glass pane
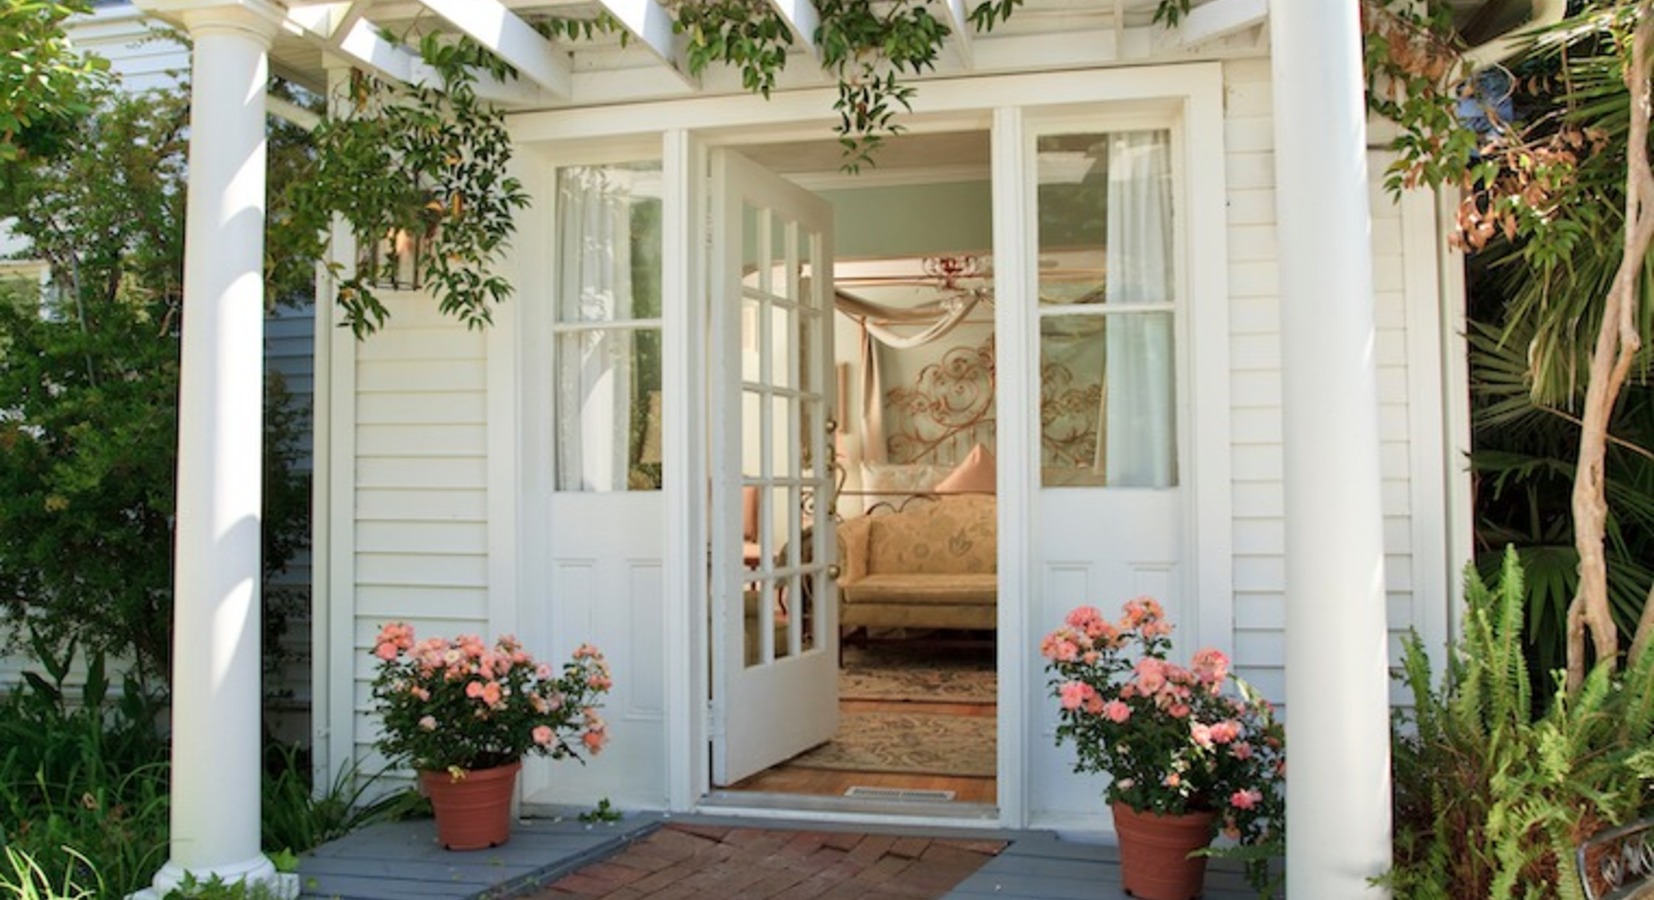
[[1106, 401], [1105, 206], [608, 242], [807, 608], [753, 621], [750, 317], [784, 437], [608, 389], [813, 434], [609, 410], [780, 278], [752, 424], [749, 245], [784, 346]]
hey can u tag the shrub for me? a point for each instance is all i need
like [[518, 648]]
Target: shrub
[[84, 808], [462, 704], [1491, 798]]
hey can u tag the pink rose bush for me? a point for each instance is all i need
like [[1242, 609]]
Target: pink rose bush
[[1172, 738], [447, 703]]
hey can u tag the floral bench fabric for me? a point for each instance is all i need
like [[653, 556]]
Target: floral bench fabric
[[933, 565]]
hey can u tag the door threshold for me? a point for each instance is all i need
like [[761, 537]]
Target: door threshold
[[865, 809]]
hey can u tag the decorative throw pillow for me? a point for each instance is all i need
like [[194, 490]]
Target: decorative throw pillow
[[974, 475], [892, 480]]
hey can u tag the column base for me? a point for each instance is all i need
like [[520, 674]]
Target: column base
[[257, 872]]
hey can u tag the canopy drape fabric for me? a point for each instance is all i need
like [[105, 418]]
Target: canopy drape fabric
[[1137, 387], [939, 320], [872, 401], [594, 402]]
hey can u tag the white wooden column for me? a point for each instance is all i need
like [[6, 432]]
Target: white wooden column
[[1338, 785], [216, 604]]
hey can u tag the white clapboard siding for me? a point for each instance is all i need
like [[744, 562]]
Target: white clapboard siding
[[143, 52], [1259, 535], [289, 339], [421, 501]]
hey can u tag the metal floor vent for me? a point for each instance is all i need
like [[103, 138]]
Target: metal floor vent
[[862, 792]]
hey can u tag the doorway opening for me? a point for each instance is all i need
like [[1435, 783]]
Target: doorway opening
[[911, 435]]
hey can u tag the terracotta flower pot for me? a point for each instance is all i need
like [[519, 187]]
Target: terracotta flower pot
[[1154, 853], [473, 812]]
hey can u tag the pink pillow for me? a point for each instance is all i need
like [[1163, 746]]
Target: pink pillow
[[974, 475]]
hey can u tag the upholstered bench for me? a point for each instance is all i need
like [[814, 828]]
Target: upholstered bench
[[932, 565]]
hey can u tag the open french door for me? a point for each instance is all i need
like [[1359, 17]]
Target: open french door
[[775, 610]]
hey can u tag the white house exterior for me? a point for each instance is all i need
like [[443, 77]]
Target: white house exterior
[[1320, 508]]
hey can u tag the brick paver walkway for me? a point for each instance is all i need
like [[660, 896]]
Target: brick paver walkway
[[682, 861]]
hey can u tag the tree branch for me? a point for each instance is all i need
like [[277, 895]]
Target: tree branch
[[1611, 360]]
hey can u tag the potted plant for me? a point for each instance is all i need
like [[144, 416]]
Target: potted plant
[[1188, 759], [464, 714]]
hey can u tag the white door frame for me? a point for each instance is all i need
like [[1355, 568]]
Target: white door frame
[[684, 129]]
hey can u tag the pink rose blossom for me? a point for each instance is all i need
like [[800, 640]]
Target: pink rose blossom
[[1156, 628], [542, 735], [1201, 734], [428, 723], [1082, 617], [386, 651], [1074, 693], [1245, 799], [1151, 675], [1225, 731], [1241, 750], [473, 690], [1210, 665], [1116, 711]]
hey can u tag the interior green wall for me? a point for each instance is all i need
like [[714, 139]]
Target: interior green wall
[[908, 220]]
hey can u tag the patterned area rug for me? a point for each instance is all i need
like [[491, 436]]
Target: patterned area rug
[[918, 674], [917, 743]]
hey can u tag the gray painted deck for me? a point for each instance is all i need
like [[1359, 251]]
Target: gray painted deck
[[1040, 866], [402, 860]]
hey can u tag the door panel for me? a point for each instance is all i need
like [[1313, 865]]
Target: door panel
[[775, 631]]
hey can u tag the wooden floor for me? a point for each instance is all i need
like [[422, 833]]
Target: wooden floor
[[788, 779]]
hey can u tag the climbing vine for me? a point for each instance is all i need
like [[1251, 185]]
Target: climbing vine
[[417, 171], [867, 48]]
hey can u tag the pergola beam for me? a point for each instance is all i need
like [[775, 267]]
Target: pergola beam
[[347, 19], [802, 19], [291, 112], [959, 23], [1219, 19], [650, 24], [361, 44], [510, 38]]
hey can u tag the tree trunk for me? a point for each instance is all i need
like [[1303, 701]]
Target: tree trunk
[[1645, 631], [1611, 359]]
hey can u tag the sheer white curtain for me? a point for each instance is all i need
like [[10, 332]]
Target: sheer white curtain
[[1137, 390], [594, 402]]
